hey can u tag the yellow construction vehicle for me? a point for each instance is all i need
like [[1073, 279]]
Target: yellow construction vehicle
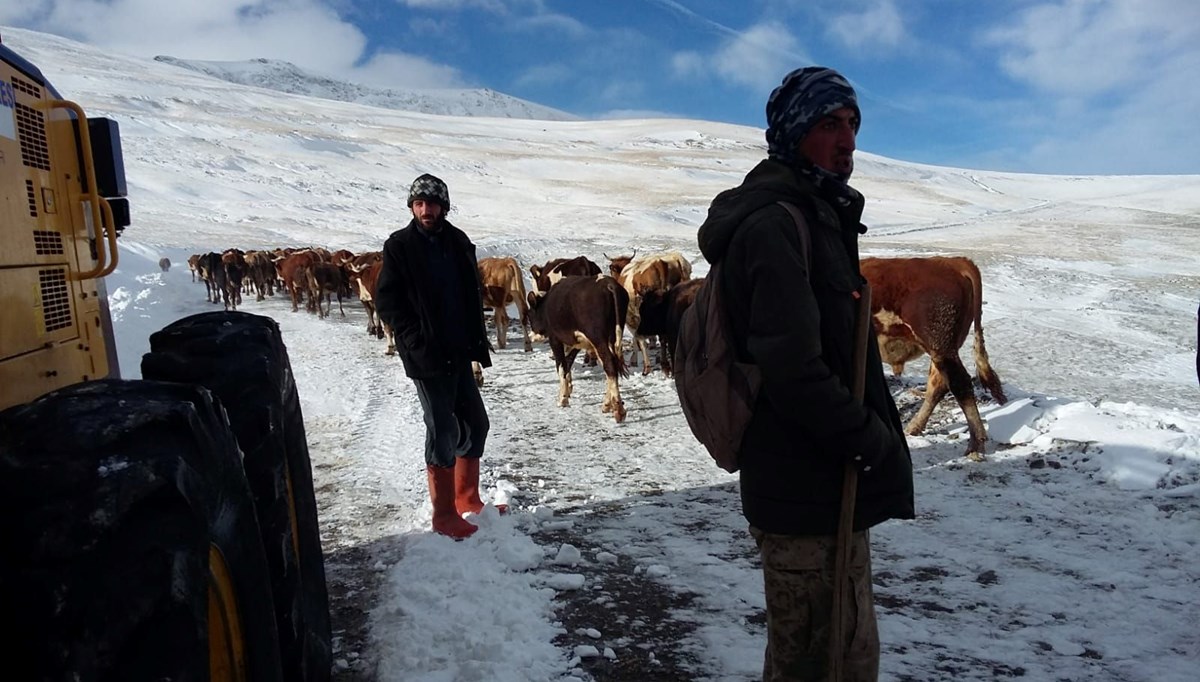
[[155, 529]]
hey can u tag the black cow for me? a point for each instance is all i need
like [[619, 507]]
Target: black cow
[[660, 314]]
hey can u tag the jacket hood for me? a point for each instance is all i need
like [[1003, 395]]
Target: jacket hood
[[770, 181]]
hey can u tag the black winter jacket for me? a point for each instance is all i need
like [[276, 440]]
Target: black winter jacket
[[798, 327], [406, 299]]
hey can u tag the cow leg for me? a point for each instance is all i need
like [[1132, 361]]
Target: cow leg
[[643, 346], [964, 393], [666, 356], [390, 335], [340, 308], [949, 376], [372, 328], [501, 319], [525, 332], [935, 389], [612, 388], [563, 360]]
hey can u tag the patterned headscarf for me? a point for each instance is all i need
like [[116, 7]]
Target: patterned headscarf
[[806, 96], [430, 188]]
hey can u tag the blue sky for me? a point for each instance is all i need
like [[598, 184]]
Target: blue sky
[[1046, 86]]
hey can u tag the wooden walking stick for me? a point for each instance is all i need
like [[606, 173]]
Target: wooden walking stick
[[841, 565]]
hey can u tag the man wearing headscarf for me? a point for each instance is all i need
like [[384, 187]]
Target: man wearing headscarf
[[792, 304], [429, 292]]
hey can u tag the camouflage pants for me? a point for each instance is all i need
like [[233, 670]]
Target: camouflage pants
[[798, 578]]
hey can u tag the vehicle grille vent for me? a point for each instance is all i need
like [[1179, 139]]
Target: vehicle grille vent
[[47, 243], [56, 299], [27, 87], [32, 198], [31, 128]]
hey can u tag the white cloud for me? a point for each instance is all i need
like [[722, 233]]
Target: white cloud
[[547, 74], [1118, 78], [759, 57], [308, 33], [687, 64], [451, 5], [550, 22], [1090, 47], [400, 70], [878, 26]]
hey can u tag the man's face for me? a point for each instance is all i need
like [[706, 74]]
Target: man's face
[[428, 213], [830, 142]]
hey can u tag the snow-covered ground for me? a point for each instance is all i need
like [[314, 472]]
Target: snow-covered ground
[[1070, 554]]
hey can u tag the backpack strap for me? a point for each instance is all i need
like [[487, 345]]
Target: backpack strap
[[801, 227]]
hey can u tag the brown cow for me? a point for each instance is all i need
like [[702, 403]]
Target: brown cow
[[544, 276], [341, 257], [502, 283], [289, 267], [260, 274], [587, 313], [357, 265], [194, 264], [234, 263], [323, 281], [660, 315], [927, 306]]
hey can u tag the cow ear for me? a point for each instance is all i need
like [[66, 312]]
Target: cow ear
[[533, 299]]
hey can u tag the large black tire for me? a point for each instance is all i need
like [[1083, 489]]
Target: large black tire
[[241, 358], [113, 497]]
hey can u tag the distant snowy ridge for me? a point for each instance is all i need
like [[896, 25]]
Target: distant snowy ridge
[[274, 74]]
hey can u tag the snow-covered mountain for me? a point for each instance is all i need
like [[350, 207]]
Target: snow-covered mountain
[[274, 74]]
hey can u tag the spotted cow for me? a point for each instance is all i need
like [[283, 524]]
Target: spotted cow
[[641, 275], [367, 278], [544, 276]]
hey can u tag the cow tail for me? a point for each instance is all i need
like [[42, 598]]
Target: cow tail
[[983, 365], [615, 349]]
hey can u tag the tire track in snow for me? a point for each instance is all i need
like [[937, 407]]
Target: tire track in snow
[[366, 448]]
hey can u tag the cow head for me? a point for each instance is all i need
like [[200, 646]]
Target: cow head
[[617, 264], [537, 314]]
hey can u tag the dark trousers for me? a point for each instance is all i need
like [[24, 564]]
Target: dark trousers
[[456, 423]]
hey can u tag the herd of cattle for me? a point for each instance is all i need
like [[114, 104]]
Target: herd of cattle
[[920, 306]]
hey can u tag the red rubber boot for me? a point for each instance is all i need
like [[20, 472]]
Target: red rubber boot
[[446, 518], [466, 487]]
